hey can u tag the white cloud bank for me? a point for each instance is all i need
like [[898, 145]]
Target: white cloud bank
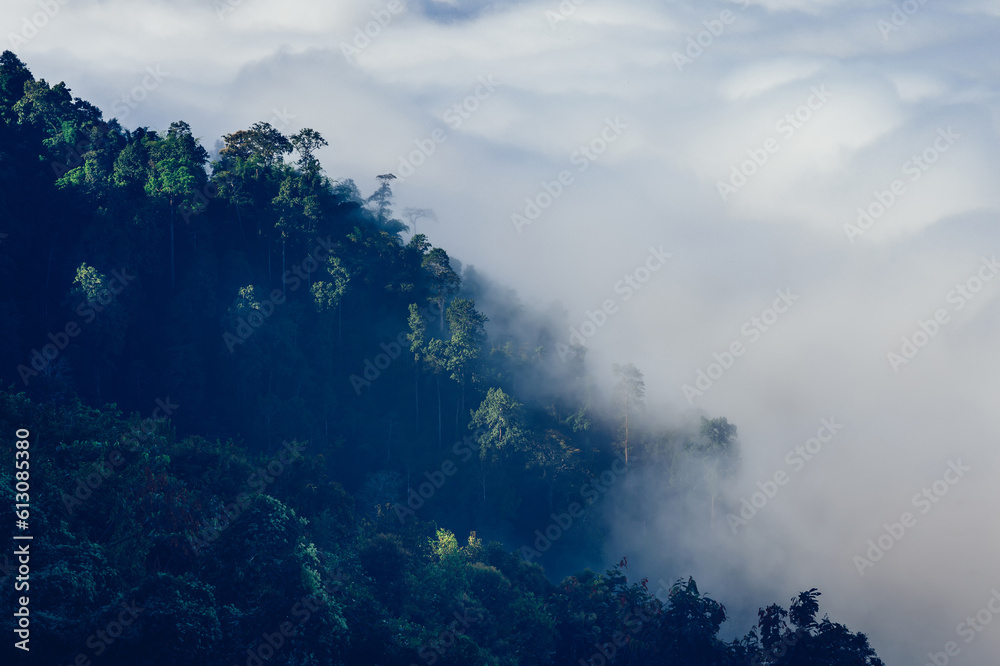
[[897, 84]]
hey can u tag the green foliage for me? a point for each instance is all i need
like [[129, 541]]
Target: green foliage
[[805, 641], [381, 201], [720, 435], [261, 145], [443, 282], [339, 350], [13, 77], [179, 607], [468, 335], [501, 419], [306, 142], [384, 594], [171, 179], [330, 292]]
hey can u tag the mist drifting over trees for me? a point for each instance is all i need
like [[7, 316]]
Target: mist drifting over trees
[[268, 422]]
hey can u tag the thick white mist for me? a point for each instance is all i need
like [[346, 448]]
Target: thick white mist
[[893, 86]]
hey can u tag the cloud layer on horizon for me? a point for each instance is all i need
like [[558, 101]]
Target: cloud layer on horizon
[[895, 87]]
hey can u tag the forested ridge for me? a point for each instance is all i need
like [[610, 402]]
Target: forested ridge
[[265, 428]]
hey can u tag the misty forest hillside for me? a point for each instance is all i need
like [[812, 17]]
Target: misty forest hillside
[[269, 423]]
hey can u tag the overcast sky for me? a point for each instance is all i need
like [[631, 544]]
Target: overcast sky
[[742, 139]]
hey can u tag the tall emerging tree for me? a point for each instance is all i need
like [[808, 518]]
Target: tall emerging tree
[[429, 351], [411, 215], [250, 173], [330, 292], [417, 338], [501, 419], [718, 447], [262, 145], [382, 198], [629, 393], [306, 142], [98, 303], [298, 212], [468, 335], [444, 282], [176, 171], [171, 180]]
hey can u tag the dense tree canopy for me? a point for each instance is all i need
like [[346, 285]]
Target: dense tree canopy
[[265, 424]]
